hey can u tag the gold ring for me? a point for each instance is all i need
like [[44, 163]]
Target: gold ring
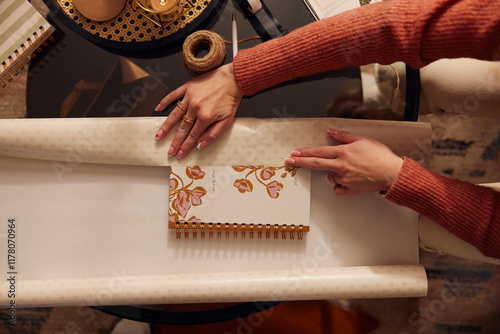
[[333, 180], [187, 119], [180, 105]]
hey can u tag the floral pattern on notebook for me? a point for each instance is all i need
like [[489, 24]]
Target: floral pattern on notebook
[[262, 174], [183, 196], [189, 187]]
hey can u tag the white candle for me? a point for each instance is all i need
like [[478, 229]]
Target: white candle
[[235, 37]]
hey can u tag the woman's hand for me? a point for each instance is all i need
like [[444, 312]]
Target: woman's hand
[[358, 165], [207, 106]]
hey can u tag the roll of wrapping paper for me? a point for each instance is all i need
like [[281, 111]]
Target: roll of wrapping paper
[[301, 284], [249, 141]]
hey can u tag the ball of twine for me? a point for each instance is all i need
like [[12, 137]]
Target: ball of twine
[[199, 40]]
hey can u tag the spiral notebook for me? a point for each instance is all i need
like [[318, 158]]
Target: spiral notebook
[[23, 30], [231, 201]]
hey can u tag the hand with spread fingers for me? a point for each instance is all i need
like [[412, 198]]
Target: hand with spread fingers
[[358, 165], [206, 106]]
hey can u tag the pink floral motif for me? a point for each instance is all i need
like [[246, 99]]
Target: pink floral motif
[[264, 176], [273, 189], [196, 194], [183, 196], [243, 185], [181, 203], [173, 217], [195, 173], [267, 173], [173, 184]]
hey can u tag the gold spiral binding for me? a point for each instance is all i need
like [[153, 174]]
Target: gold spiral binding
[[32, 44], [16, 62], [12, 72], [27, 51], [21, 56], [44, 32], [223, 230], [6, 77]]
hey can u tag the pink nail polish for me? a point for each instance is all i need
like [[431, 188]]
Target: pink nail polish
[[333, 131], [290, 161], [159, 135], [158, 107], [170, 152], [201, 144], [295, 153], [180, 154]]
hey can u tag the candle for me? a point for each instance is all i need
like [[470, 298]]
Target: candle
[[164, 6], [235, 36]]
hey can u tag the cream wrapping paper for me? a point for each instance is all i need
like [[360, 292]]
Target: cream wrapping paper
[[82, 142], [131, 141], [321, 283]]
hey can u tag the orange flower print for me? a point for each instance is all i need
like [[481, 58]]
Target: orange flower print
[[243, 185], [239, 169], [291, 170], [267, 173], [173, 184], [173, 217], [181, 203], [195, 173], [196, 194], [273, 189], [193, 219]]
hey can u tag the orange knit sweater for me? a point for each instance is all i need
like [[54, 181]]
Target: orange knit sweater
[[469, 211], [417, 33]]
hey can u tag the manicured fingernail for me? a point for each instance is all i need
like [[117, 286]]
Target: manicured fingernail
[[180, 154], [295, 153], [158, 107], [290, 161], [171, 151], [201, 144], [333, 131], [159, 135]]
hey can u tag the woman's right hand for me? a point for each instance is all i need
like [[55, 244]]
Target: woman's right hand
[[210, 102], [358, 165]]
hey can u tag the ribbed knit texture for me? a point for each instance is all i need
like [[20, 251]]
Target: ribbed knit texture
[[469, 211], [415, 32]]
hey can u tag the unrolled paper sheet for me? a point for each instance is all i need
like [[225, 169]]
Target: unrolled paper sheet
[[75, 255]]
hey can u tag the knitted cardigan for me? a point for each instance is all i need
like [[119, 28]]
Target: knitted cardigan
[[417, 33]]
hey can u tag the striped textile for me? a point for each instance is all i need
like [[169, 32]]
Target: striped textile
[[19, 20]]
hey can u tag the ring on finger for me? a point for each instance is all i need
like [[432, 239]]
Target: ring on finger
[[182, 106], [333, 174], [187, 119]]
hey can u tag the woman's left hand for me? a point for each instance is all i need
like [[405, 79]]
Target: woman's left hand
[[206, 107], [358, 165]]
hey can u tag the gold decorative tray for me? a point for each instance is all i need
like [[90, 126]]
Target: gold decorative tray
[[133, 28]]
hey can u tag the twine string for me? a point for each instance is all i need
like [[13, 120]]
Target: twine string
[[205, 40]]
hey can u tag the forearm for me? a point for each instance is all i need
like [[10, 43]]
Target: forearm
[[469, 211], [415, 32]]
